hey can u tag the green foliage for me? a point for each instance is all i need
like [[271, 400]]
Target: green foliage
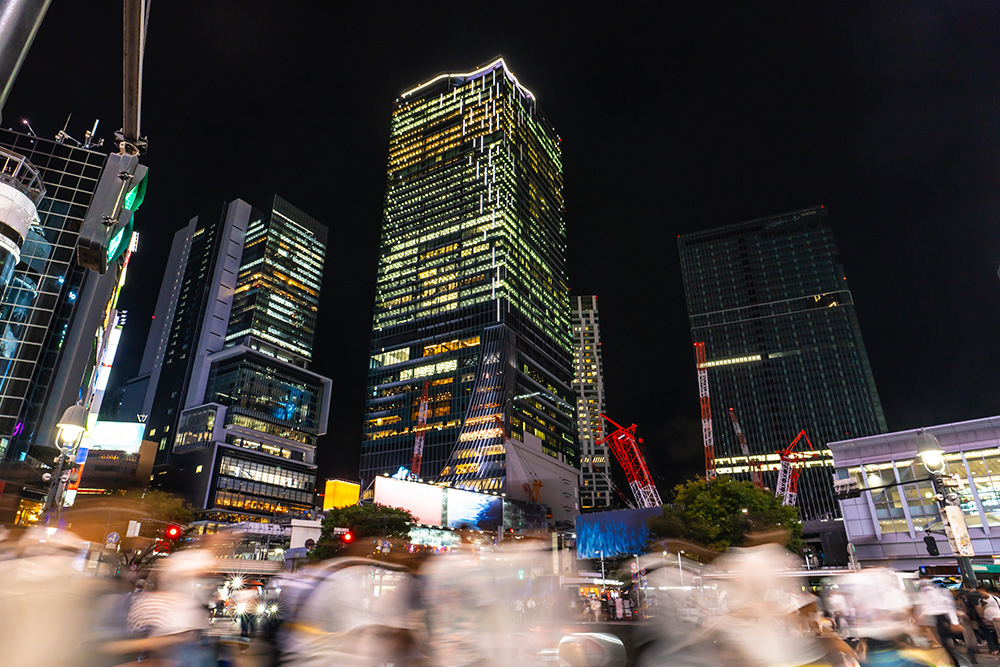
[[160, 505], [365, 522], [718, 514]]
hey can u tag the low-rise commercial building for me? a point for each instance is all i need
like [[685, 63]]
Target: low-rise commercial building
[[896, 510]]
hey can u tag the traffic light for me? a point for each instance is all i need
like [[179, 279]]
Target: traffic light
[[347, 537], [172, 533], [931, 544], [107, 228]]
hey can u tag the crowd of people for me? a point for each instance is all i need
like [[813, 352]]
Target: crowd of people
[[466, 608]]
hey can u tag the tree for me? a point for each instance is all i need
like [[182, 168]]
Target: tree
[[718, 513], [365, 522]]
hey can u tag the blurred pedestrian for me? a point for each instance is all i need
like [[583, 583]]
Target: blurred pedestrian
[[937, 612], [989, 612]]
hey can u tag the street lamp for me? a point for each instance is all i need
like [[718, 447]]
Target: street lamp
[[932, 456], [71, 426]]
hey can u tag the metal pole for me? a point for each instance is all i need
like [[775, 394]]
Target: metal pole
[[964, 562], [680, 568], [55, 483], [19, 22], [603, 578]]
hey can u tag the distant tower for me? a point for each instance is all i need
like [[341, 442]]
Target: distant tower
[[783, 347], [588, 380]]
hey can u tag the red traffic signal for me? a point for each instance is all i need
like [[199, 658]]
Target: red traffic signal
[[347, 537], [172, 532]]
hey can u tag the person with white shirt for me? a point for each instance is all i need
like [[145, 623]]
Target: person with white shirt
[[989, 611]]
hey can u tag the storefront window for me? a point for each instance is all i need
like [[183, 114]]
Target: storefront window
[[888, 503]]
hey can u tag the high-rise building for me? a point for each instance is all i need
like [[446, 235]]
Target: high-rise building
[[472, 299], [224, 378], [783, 347], [588, 380]]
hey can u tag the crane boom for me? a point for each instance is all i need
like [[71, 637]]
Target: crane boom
[[757, 476], [625, 447], [706, 411], [418, 441]]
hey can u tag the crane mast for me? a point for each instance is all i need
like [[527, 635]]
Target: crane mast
[[787, 487], [706, 411], [755, 473], [625, 447], [418, 442]]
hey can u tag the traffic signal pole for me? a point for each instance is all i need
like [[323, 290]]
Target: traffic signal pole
[[952, 517]]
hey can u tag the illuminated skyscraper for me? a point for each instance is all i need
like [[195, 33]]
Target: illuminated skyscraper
[[472, 297], [224, 377], [770, 300], [588, 380]]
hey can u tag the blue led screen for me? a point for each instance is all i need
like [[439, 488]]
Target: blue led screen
[[614, 533], [465, 509]]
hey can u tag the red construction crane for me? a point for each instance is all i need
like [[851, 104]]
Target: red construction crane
[[418, 442], [787, 487], [706, 411], [625, 447], [754, 464]]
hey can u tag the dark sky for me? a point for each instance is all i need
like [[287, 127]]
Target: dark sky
[[673, 120]]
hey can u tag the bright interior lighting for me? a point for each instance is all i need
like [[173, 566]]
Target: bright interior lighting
[[933, 460]]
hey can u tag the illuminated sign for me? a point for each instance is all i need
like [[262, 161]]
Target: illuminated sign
[[339, 493], [423, 501], [124, 436], [480, 511]]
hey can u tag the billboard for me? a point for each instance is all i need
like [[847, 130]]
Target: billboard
[[339, 493], [123, 436], [423, 501], [466, 509], [613, 533]]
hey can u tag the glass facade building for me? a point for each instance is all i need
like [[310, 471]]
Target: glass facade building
[[472, 298], [40, 302], [277, 296], [232, 404], [588, 381], [887, 522], [770, 300]]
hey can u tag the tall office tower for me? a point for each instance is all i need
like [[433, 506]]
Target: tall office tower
[[224, 377], [588, 381], [770, 300], [471, 299]]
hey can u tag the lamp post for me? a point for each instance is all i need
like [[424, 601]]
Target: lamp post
[[71, 426], [932, 456]]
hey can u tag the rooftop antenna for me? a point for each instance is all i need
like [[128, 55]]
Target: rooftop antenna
[[88, 137], [62, 136]]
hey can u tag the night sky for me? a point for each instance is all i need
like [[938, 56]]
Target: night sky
[[672, 120]]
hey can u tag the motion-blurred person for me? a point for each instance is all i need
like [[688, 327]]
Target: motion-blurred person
[[459, 601], [46, 602], [761, 605], [989, 612], [171, 621], [882, 617], [937, 612], [968, 616], [351, 612]]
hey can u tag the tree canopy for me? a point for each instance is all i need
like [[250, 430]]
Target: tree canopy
[[364, 522], [718, 513]]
